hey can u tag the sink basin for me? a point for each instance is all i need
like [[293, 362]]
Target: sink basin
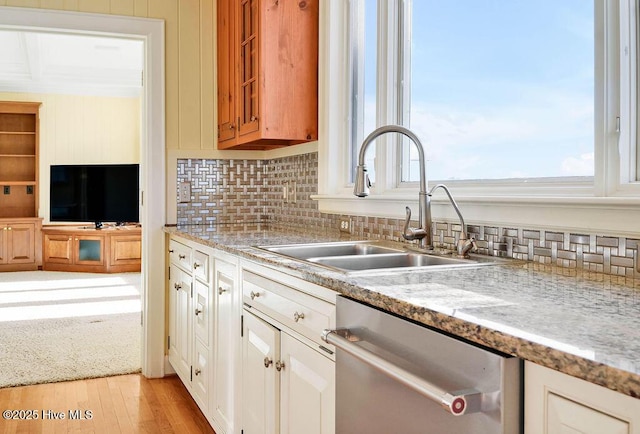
[[306, 251], [367, 256], [393, 260]]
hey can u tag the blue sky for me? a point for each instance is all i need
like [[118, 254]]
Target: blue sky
[[501, 89]]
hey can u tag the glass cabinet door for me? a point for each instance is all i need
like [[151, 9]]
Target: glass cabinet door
[[90, 250]]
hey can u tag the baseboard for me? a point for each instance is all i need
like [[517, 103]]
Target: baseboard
[[168, 369]]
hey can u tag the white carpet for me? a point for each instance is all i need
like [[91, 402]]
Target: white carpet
[[57, 326]]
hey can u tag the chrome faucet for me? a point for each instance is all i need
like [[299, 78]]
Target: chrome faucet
[[423, 232], [464, 244], [361, 188]]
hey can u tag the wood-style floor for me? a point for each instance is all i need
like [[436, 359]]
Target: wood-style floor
[[121, 404]]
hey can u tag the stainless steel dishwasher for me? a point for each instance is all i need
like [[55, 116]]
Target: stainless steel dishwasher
[[394, 376]]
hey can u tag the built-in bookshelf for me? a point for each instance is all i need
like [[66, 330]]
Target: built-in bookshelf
[[19, 159]]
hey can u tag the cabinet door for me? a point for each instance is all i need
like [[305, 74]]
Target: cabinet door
[[226, 335], [248, 22], [125, 250], [565, 416], [261, 391], [556, 403], [89, 250], [201, 312], [180, 322], [227, 49], [58, 249], [307, 389], [3, 245], [21, 244], [201, 371]]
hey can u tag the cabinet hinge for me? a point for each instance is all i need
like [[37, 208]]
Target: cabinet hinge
[[190, 373], [169, 272], [241, 326], [168, 342], [191, 289]]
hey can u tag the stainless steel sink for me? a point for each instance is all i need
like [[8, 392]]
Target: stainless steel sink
[[367, 256], [393, 260], [306, 251]]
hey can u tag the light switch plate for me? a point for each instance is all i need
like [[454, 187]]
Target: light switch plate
[[184, 192]]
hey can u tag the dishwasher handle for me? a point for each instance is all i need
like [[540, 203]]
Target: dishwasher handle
[[457, 403]]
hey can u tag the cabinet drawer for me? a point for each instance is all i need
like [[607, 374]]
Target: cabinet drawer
[[201, 265], [180, 255], [301, 312]]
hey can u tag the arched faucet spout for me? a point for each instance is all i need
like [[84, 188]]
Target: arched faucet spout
[[361, 188]]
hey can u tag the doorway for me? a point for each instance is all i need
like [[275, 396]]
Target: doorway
[[152, 158]]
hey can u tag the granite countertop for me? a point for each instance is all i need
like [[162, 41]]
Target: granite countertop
[[582, 323]]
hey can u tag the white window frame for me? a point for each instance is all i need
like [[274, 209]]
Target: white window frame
[[608, 203]]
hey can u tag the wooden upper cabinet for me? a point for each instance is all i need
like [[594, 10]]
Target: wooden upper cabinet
[[267, 73], [227, 119]]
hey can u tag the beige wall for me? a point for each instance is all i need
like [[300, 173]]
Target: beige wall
[[83, 130], [189, 32]]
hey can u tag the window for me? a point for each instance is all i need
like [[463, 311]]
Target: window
[[608, 201], [495, 90], [364, 59], [503, 89]]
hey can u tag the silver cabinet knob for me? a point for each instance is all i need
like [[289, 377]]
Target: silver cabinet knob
[[198, 311], [279, 365], [181, 256], [195, 265], [197, 371], [177, 286], [267, 362], [298, 316], [221, 291], [254, 295]]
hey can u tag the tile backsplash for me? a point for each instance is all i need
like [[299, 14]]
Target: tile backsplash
[[223, 191], [251, 191]]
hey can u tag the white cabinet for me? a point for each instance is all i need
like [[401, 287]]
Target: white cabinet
[[288, 387], [201, 373], [264, 371], [307, 395], [226, 354], [180, 321], [261, 385], [288, 374], [204, 329], [189, 312], [556, 403]]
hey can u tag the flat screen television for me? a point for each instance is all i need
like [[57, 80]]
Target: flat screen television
[[95, 193]]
